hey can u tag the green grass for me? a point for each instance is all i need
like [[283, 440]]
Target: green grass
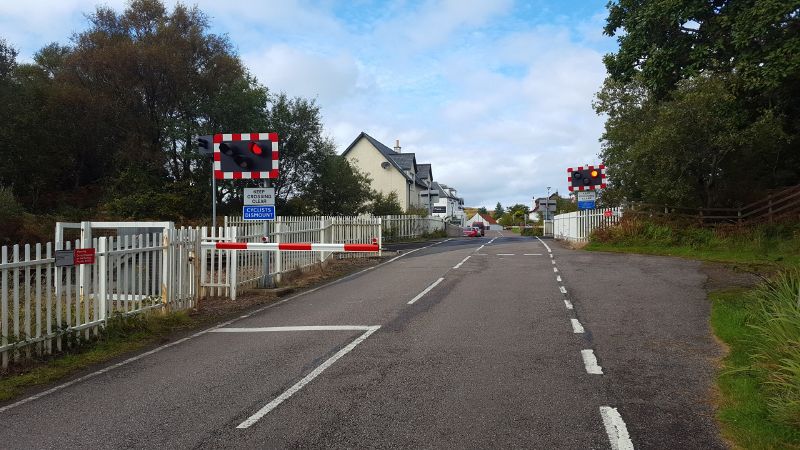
[[771, 246], [745, 411], [759, 381], [122, 336]]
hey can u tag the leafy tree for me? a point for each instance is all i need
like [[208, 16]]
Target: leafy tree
[[483, 211], [518, 213], [385, 204], [338, 188], [700, 100], [498, 211]]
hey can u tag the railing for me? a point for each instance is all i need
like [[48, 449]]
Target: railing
[[44, 308], [577, 226], [409, 227], [777, 205]]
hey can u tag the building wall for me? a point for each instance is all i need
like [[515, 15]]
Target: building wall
[[368, 159]]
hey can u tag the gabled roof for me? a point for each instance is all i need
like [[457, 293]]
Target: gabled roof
[[385, 151], [408, 161], [424, 172]]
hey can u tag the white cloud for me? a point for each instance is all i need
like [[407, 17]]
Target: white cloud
[[300, 73]]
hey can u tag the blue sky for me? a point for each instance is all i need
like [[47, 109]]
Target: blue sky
[[495, 94]]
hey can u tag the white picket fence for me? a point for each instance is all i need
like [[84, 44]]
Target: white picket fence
[[577, 226], [409, 227], [45, 308]]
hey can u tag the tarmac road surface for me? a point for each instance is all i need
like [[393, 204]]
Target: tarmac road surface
[[486, 342]]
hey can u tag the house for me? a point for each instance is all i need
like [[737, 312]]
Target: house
[[392, 171], [446, 203], [486, 219]]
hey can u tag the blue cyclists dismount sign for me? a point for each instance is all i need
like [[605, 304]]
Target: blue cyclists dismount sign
[[586, 199], [258, 212]]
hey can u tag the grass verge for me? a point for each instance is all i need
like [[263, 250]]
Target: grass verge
[[759, 381]]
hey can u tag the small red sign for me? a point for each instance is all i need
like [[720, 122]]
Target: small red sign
[[608, 213], [84, 256]]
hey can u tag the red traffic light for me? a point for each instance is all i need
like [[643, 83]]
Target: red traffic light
[[255, 148]]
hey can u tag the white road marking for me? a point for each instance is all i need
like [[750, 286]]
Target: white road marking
[[299, 385], [590, 361], [558, 278], [202, 332], [616, 429], [555, 269], [545, 245], [481, 254], [531, 254], [299, 328], [553, 261], [505, 254], [479, 248], [462, 262], [576, 326], [562, 289], [568, 304], [551, 256], [427, 289]]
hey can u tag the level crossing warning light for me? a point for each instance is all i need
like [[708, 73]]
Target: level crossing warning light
[[245, 156], [586, 178]]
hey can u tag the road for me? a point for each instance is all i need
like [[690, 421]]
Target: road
[[499, 341]]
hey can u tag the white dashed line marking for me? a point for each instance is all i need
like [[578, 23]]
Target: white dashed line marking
[[479, 248], [562, 289], [555, 269], [545, 245], [568, 304], [616, 429], [481, 254], [590, 361], [462, 262], [427, 289], [551, 256], [531, 254], [553, 261], [299, 385], [558, 278], [576, 326], [505, 254]]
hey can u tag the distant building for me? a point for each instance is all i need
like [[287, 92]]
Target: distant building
[[446, 203], [486, 219], [391, 170], [544, 208]]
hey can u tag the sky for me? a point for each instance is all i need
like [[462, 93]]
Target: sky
[[495, 94]]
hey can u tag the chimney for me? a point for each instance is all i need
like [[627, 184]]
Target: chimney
[[397, 146]]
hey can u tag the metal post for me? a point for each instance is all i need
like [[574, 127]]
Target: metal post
[[266, 279], [213, 199], [83, 270]]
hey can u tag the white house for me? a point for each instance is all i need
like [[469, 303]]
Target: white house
[[391, 170], [487, 220], [446, 203]]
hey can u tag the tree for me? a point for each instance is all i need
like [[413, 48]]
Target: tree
[[483, 211], [337, 189], [518, 213], [701, 94], [498, 211], [385, 204]]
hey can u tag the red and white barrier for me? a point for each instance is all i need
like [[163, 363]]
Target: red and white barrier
[[289, 246]]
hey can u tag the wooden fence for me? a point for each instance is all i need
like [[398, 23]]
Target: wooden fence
[[781, 204]]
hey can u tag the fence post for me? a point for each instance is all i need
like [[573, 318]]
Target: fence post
[[102, 280], [165, 265], [233, 263], [278, 258], [83, 269], [322, 239], [380, 236]]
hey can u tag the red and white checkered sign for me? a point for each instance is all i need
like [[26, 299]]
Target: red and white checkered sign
[[601, 168], [224, 137]]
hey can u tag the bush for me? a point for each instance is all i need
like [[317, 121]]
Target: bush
[[776, 321], [531, 231]]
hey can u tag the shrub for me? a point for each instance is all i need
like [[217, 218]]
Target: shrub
[[776, 320]]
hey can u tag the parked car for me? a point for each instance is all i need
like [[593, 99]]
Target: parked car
[[471, 232], [480, 226]]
